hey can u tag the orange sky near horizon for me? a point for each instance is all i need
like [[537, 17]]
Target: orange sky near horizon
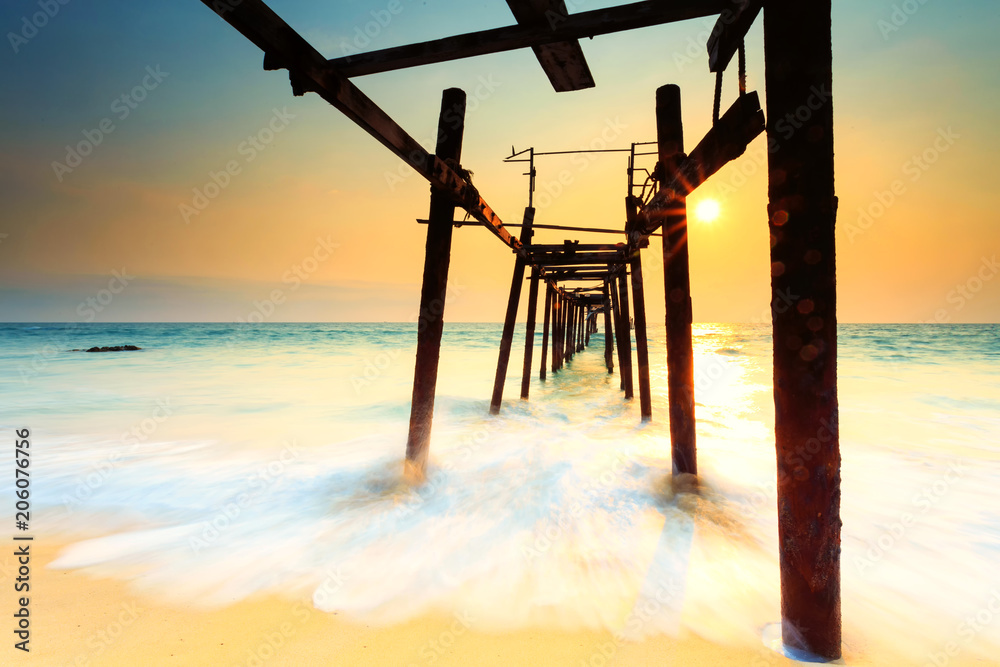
[[319, 211]]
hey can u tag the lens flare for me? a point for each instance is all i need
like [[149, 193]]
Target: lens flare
[[707, 210]]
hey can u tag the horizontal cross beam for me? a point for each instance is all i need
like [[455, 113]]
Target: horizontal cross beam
[[459, 223], [560, 28], [729, 32], [578, 259], [580, 279], [563, 62], [574, 247]]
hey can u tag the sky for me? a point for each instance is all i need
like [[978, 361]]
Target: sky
[[316, 221]]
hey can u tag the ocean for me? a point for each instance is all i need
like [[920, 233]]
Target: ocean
[[224, 461]]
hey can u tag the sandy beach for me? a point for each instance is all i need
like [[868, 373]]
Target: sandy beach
[[80, 620]]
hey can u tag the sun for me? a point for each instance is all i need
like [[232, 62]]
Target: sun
[[707, 210]]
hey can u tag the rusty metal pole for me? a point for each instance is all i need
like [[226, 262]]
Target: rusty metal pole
[[508, 324], [801, 215], [546, 321], [430, 322], [676, 287], [529, 333], [641, 344], [609, 351], [626, 344]]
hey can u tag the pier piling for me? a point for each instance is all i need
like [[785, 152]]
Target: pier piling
[[641, 343], [529, 333], [676, 286], [508, 324], [437, 257], [626, 337], [801, 218], [609, 352], [546, 322]]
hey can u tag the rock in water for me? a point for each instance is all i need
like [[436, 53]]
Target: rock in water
[[112, 348]]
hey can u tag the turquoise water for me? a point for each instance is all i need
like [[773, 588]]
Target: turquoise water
[[222, 461]]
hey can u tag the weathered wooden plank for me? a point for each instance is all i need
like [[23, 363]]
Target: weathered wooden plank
[[729, 32]]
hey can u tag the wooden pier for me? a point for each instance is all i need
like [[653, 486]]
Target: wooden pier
[[587, 283]]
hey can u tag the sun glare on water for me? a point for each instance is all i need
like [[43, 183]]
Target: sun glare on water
[[707, 210]]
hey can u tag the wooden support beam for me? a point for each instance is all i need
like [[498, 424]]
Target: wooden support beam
[[430, 322], [581, 278], [576, 247], [529, 333], [552, 273], [609, 352], [586, 337], [310, 71], [546, 322], [729, 32], [641, 344], [727, 140], [625, 328], [801, 217], [677, 288], [507, 337], [563, 62], [562, 28], [582, 336], [563, 227], [561, 259]]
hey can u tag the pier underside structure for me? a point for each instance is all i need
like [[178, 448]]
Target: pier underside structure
[[586, 286]]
